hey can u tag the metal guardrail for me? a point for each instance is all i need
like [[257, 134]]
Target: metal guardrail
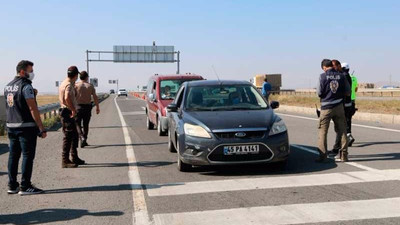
[[48, 111]]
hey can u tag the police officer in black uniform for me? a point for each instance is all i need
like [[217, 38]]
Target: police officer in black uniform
[[24, 125], [332, 88]]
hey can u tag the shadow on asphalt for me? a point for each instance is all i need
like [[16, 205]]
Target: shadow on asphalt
[[3, 148], [374, 157], [123, 145], [138, 164], [106, 188], [365, 144], [299, 162], [52, 215], [3, 173]]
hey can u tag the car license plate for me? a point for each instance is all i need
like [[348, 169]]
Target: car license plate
[[241, 149]]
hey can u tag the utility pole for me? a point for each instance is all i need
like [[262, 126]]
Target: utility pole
[[390, 79]]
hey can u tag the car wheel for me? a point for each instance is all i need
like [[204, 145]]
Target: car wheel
[[183, 167], [171, 146], [159, 128], [150, 125]]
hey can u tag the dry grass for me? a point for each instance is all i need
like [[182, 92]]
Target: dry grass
[[384, 106], [46, 99]]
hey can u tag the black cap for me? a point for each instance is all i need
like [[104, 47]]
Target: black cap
[[73, 70]]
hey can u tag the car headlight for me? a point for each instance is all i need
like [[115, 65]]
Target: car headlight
[[196, 131], [278, 127]]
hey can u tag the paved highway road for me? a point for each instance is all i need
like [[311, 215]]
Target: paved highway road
[[132, 178]]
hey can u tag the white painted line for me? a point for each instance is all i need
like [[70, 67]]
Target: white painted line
[[272, 182], [348, 163], [356, 125], [289, 214], [133, 113], [140, 213]]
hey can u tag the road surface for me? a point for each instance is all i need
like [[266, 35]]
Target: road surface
[[131, 178]]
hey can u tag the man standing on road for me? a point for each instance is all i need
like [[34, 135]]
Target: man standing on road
[[352, 111], [347, 106], [266, 88], [84, 93], [68, 112], [332, 88], [23, 126]]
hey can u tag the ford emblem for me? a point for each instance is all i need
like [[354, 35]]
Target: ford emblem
[[240, 134]]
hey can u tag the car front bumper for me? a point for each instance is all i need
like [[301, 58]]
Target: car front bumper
[[197, 151]]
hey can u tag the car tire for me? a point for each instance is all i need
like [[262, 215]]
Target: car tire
[[171, 146], [149, 124], [159, 129], [183, 167]]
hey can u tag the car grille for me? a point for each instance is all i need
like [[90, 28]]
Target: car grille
[[218, 155], [249, 135]]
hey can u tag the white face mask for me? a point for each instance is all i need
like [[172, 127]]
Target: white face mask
[[31, 76]]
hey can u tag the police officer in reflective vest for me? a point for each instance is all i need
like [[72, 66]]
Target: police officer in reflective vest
[[352, 111], [24, 125], [332, 88]]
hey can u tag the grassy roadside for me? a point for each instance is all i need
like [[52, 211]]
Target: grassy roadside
[[384, 107], [46, 99]]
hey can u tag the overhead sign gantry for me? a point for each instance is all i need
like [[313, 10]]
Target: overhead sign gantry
[[135, 54]]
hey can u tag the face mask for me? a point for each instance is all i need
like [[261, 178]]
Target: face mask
[[31, 76]]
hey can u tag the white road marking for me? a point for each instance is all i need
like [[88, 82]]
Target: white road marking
[[356, 125], [133, 113], [144, 108], [348, 163], [140, 213], [289, 214], [272, 182]]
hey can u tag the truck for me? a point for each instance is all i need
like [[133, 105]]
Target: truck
[[274, 79]]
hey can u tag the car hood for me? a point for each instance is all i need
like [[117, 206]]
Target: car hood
[[232, 119]]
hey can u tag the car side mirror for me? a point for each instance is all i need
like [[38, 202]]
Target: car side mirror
[[172, 108], [274, 104], [152, 97]]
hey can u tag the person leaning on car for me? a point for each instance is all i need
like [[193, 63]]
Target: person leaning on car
[[84, 93], [331, 89]]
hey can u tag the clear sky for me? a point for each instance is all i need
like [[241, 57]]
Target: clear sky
[[240, 38]]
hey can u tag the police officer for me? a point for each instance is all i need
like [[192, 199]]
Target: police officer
[[332, 88], [24, 125], [84, 93], [347, 106], [352, 111], [68, 113]]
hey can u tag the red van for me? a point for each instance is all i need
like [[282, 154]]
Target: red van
[[161, 91]]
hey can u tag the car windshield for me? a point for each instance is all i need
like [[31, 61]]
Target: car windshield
[[121, 89], [169, 88], [224, 98]]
